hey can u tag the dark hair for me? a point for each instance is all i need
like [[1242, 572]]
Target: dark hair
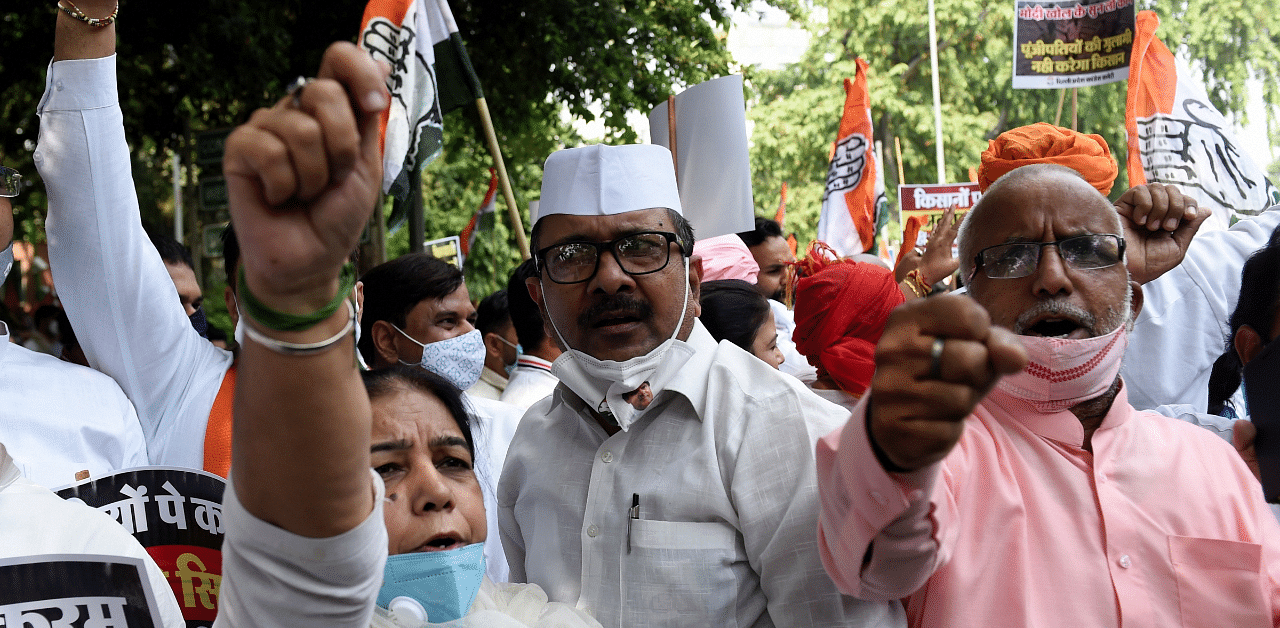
[[765, 229], [525, 316], [394, 288], [733, 310], [230, 255], [491, 314], [683, 231], [382, 382], [171, 250], [1257, 306]]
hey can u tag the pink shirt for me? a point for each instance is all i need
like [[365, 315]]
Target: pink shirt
[[1162, 525]]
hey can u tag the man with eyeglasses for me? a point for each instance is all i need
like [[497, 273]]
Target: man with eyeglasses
[[996, 474], [668, 480], [59, 419]]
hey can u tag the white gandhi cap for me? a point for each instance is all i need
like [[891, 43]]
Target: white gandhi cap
[[601, 180]]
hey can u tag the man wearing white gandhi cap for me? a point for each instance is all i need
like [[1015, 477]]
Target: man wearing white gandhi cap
[[668, 480]]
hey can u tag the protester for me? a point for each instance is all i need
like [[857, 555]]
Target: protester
[[60, 419], [773, 257], [841, 310], [733, 310], [1253, 325], [36, 522], [500, 346], [308, 528], [177, 260], [417, 311], [986, 493], [726, 257], [686, 463], [532, 379], [924, 270], [1189, 285], [116, 289]]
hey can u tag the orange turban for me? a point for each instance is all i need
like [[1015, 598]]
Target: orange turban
[[1044, 143], [841, 310]]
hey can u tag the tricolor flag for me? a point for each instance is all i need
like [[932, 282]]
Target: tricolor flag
[[855, 188], [781, 216], [1175, 135], [468, 235], [431, 75]]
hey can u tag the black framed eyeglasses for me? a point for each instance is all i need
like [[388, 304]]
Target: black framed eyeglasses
[[10, 182], [1019, 259], [637, 253]]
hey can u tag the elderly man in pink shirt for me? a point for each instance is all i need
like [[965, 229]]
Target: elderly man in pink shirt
[[996, 474]]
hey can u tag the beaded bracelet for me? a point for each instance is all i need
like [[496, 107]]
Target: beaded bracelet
[[915, 279], [280, 321], [76, 13], [303, 348]]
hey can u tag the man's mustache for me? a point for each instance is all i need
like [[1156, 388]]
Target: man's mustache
[[615, 306]]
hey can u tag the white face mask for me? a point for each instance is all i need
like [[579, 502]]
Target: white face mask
[[6, 262], [458, 359], [1063, 372], [606, 382]]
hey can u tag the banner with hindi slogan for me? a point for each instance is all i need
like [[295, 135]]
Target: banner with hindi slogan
[[922, 205], [855, 182], [176, 514], [1071, 43], [1176, 136], [76, 590], [431, 75]]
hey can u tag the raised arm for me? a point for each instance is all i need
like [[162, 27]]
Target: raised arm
[[113, 284], [303, 178]]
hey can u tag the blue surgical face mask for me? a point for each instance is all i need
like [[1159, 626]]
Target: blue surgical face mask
[[509, 368], [458, 359], [433, 586]]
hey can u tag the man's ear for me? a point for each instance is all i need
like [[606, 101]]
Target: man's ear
[[1247, 343], [493, 344], [384, 344], [229, 298], [1135, 301], [695, 284]]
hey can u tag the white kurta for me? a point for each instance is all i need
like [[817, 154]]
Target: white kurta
[[1183, 325], [34, 521], [60, 418], [723, 465], [494, 425], [111, 280], [530, 382]]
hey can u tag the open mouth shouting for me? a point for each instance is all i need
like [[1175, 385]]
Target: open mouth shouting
[[441, 542], [1055, 319]]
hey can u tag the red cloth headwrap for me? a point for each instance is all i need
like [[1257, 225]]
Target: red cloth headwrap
[[841, 310]]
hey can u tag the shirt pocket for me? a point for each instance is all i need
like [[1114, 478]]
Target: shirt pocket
[[1219, 582], [681, 573]]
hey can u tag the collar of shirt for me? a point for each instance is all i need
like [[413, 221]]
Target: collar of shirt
[[8, 470], [493, 379], [533, 362], [1063, 427]]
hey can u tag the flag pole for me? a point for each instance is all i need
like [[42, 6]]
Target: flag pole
[[517, 225], [937, 92], [671, 133], [1075, 95], [1062, 96]]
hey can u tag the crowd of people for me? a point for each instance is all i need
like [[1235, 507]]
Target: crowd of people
[[645, 428]]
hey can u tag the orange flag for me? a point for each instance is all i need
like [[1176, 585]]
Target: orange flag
[[854, 185], [1176, 136], [781, 216]]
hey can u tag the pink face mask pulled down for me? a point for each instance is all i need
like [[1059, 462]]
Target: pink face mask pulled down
[[1064, 372]]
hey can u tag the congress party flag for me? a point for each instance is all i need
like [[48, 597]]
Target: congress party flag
[[855, 187], [431, 75], [468, 235], [1175, 135]]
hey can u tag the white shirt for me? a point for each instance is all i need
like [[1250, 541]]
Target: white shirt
[[793, 363], [34, 521], [530, 382], [1183, 325], [723, 464], [490, 385], [112, 282], [492, 430], [59, 418]]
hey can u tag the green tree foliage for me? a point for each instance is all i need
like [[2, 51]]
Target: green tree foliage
[[798, 107]]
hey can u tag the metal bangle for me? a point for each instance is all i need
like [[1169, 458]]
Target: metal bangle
[[303, 348]]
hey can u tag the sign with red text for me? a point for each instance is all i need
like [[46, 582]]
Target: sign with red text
[[1070, 43], [176, 514]]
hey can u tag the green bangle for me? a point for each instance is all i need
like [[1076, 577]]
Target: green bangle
[[279, 321]]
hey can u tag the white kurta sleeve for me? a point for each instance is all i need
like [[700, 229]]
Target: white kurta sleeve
[[112, 282]]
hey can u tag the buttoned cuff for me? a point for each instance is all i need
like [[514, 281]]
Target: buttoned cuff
[[79, 84]]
